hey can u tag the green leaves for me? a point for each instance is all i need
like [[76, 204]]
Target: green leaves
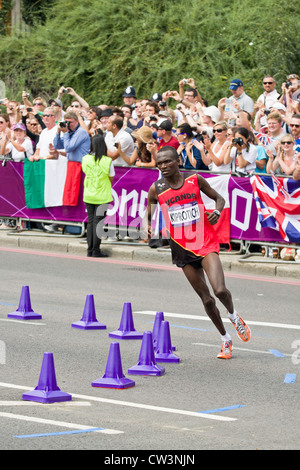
[[99, 47]]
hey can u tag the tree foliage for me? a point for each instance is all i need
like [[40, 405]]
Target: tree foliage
[[34, 12], [5, 10], [99, 47]]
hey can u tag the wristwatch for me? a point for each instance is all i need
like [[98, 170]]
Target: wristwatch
[[218, 213]]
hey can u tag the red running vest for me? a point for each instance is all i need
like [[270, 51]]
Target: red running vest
[[190, 234]]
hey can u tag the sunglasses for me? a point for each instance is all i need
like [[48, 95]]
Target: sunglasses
[[287, 142], [268, 83], [218, 130], [295, 125], [48, 115], [37, 104], [33, 124], [75, 106]]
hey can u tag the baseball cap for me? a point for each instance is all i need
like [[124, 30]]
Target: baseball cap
[[165, 125], [57, 101], [19, 125], [130, 91], [235, 84]]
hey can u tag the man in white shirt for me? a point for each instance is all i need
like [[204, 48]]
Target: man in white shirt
[[46, 137], [270, 94], [267, 98], [115, 134]]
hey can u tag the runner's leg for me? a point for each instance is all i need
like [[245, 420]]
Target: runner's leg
[[214, 271], [197, 280]]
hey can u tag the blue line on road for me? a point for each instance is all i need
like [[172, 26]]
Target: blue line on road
[[26, 436], [276, 353], [289, 378], [233, 407]]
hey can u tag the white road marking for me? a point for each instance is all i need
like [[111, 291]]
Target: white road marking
[[32, 403], [56, 423], [239, 349], [22, 322], [225, 320], [134, 405]]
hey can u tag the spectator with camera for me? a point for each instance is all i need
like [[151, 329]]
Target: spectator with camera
[[266, 100], [190, 94], [78, 102], [290, 90], [151, 112], [13, 111], [241, 153], [72, 138], [116, 133], [190, 154]]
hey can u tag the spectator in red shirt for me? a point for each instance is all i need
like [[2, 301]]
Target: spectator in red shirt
[[165, 134]]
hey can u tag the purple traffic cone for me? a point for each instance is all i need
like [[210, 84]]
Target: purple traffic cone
[[89, 320], [163, 351], [126, 329], [24, 310], [47, 390], [159, 317], [113, 377], [147, 364]]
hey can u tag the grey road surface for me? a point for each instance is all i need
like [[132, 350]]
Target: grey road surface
[[201, 403]]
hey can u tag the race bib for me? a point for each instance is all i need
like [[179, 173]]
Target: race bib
[[185, 215]]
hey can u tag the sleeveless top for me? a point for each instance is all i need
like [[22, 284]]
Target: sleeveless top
[[97, 185], [223, 168], [190, 234]]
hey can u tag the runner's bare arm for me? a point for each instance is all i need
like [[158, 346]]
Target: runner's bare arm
[[212, 194], [152, 201]]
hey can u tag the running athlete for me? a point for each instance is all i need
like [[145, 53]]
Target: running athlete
[[193, 241]]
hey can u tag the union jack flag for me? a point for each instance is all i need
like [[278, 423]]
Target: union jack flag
[[278, 205]]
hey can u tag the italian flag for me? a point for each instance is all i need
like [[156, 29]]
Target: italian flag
[[51, 183]]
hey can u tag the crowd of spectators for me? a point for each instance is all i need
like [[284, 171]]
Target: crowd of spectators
[[239, 134]]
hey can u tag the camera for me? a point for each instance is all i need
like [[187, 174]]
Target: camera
[[65, 90], [152, 117], [185, 80], [267, 112], [288, 84], [2, 101], [163, 104], [238, 141], [29, 110], [63, 124]]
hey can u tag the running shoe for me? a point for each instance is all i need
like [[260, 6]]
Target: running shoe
[[242, 329], [226, 350]]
